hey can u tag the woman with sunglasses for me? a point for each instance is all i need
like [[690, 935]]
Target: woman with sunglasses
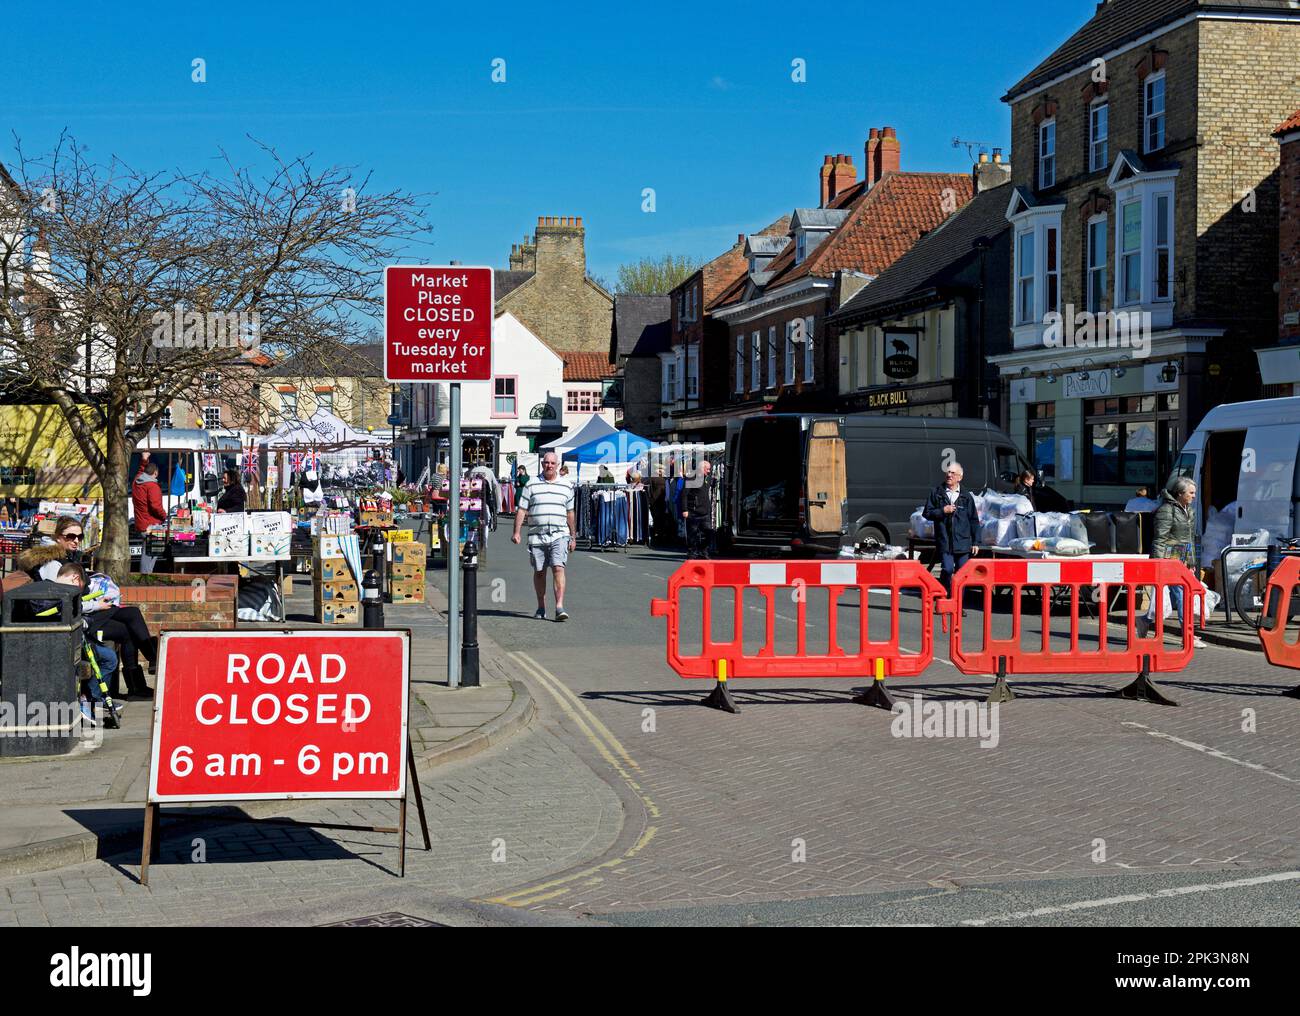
[[43, 561], [123, 625]]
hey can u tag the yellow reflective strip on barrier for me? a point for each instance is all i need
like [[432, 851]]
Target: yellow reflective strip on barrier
[[880, 669], [722, 670]]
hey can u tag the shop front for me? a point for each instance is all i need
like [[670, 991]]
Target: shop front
[[1097, 435]]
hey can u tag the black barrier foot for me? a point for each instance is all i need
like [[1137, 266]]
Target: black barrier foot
[[1293, 693], [875, 694], [720, 698], [1143, 689], [1001, 690]]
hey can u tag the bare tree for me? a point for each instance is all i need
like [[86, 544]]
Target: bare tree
[[121, 290]]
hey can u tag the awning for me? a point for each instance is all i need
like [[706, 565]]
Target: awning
[[1279, 365]]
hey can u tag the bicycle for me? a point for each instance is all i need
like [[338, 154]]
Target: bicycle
[[1249, 589]]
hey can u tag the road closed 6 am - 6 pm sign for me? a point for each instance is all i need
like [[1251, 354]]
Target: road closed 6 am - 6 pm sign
[[437, 323], [280, 714]]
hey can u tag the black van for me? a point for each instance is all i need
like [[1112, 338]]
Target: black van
[[801, 483]]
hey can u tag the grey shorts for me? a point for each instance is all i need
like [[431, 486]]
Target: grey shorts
[[550, 555]]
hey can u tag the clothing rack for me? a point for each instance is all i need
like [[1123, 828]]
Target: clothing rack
[[611, 515]]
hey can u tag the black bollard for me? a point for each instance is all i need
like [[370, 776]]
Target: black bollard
[[469, 614], [372, 605]]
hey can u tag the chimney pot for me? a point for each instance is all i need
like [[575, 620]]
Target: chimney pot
[[579, 222], [984, 157], [827, 160], [997, 155], [740, 239], [889, 132], [875, 133]]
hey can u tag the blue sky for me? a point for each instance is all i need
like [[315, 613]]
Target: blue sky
[[600, 101]]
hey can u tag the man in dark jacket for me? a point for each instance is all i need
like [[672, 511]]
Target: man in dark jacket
[[232, 498], [698, 512], [956, 523]]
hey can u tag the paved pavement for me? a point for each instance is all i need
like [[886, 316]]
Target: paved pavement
[[65, 810], [806, 795], [624, 802]]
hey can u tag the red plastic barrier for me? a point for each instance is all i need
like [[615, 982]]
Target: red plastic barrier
[[981, 577], [729, 659], [1278, 613]]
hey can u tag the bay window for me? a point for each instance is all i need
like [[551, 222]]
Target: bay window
[[1130, 253], [1144, 240], [1025, 307]]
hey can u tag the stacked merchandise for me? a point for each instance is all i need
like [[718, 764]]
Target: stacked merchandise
[[406, 571], [336, 581]]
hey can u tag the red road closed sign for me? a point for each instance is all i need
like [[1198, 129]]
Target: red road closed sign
[[250, 715], [437, 323]]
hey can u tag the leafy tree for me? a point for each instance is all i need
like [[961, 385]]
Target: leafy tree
[[123, 290], [651, 276]]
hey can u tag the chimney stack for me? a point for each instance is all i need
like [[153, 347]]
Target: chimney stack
[[988, 175], [869, 151], [827, 161]]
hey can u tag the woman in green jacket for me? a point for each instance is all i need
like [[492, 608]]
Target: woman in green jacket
[[1175, 537]]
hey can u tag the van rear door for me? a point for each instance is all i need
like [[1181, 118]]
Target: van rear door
[[1267, 484], [827, 481]]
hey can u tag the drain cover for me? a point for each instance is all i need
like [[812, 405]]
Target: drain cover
[[393, 920]]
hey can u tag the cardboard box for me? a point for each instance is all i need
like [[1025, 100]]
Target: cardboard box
[[334, 569], [326, 592], [338, 613], [376, 518], [326, 547], [407, 591], [408, 553], [269, 545], [400, 535], [399, 572]]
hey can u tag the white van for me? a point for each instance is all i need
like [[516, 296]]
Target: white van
[[1247, 452], [173, 446]]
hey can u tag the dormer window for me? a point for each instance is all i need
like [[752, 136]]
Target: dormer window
[[1047, 155]]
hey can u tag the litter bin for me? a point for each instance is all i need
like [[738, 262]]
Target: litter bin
[[41, 635]]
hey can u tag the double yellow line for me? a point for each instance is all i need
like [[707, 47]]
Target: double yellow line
[[613, 752]]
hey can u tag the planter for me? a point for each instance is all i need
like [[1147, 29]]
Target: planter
[[184, 601]]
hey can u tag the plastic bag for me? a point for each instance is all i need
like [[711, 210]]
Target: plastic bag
[[1218, 534], [922, 528], [1005, 506], [102, 593], [1238, 563]]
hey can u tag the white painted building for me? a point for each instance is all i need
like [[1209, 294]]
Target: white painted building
[[521, 407]]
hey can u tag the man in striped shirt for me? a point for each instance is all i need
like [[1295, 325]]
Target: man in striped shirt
[[546, 502]]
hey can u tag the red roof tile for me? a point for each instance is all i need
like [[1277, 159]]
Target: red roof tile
[[580, 365], [881, 226], [1291, 123]]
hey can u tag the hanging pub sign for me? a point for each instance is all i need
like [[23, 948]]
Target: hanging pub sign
[[900, 352], [542, 411]]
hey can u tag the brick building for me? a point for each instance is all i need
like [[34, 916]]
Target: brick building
[[1144, 184], [1288, 137], [694, 372], [781, 355], [916, 340], [548, 290], [1279, 365]]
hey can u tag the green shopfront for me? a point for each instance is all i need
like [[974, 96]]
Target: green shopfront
[[1099, 434]]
